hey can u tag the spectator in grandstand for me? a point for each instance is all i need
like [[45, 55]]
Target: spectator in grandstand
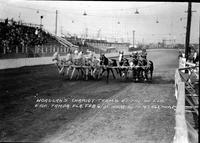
[[6, 21], [16, 37]]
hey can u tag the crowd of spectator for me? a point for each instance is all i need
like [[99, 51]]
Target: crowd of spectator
[[15, 36], [193, 55], [83, 44]]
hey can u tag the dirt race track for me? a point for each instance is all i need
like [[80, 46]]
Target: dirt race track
[[118, 112]]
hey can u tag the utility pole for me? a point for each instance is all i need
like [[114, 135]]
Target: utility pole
[[133, 38], [61, 30], [56, 22], [199, 32], [187, 40]]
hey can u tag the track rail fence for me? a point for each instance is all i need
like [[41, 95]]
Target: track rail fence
[[186, 79]]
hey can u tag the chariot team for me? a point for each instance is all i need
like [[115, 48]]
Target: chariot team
[[89, 65]]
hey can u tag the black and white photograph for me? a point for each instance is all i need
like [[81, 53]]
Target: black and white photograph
[[99, 71]]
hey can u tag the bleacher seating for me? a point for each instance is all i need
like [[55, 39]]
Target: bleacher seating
[[19, 40], [84, 46]]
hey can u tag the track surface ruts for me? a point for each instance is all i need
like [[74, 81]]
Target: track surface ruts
[[136, 119]]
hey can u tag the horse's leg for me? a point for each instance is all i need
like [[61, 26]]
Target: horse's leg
[[93, 73], [82, 72], [61, 70], [72, 73], [113, 73], [151, 73], [137, 74], [87, 71], [141, 73], [64, 71], [68, 69], [77, 75], [108, 72], [119, 71], [146, 74], [134, 73], [151, 70], [126, 73], [101, 73], [79, 72]]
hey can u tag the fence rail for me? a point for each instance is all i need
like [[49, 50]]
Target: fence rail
[[184, 132]]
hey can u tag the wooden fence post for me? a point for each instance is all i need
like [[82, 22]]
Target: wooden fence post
[[181, 131]]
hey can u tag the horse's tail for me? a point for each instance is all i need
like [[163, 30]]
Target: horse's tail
[[151, 65]]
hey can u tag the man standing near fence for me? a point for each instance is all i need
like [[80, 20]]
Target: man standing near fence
[[193, 55]]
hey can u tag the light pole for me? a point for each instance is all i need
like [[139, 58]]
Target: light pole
[[41, 17], [56, 22], [85, 14]]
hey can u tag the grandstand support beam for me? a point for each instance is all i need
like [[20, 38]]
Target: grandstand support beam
[[16, 49], [22, 49], [26, 49], [56, 22], [4, 50], [187, 40]]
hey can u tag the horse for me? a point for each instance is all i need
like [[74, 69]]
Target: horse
[[134, 64], [106, 64], [78, 61], [88, 64], [65, 65], [146, 67], [123, 62], [95, 68], [59, 62]]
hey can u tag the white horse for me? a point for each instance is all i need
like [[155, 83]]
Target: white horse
[[75, 62], [64, 64]]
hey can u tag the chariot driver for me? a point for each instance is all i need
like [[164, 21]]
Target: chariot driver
[[144, 53]]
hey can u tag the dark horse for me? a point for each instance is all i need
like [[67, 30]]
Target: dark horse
[[107, 65], [123, 62], [146, 68], [134, 63]]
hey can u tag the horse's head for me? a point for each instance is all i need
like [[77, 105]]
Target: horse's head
[[80, 55], [76, 52], [102, 56], [103, 59], [56, 57], [143, 61], [121, 56]]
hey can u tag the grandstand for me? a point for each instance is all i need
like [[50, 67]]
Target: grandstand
[[83, 44], [97, 45], [18, 40]]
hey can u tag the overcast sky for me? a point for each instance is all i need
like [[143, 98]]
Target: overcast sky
[[115, 19]]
